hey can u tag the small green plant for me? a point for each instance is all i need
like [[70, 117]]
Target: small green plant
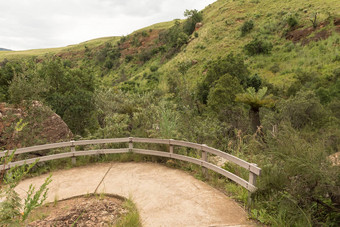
[[11, 210], [55, 201], [292, 21], [145, 33], [246, 27], [132, 217], [153, 68], [313, 19]]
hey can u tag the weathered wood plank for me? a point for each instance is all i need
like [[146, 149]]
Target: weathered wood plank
[[40, 159], [65, 155], [231, 176], [101, 141], [151, 152], [233, 159], [38, 148], [186, 144], [150, 140], [187, 159], [101, 151]]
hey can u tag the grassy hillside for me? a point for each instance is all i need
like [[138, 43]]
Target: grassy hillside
[[259, 79], [221, 34]]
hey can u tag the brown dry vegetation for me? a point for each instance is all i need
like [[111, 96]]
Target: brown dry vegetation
[[303, 35]]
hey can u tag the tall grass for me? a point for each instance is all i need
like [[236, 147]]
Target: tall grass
[[132, 217]]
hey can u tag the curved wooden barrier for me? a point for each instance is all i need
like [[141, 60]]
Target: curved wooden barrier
[[254, 171]]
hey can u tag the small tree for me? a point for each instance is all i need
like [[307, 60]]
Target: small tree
[[313, 19], [193, 17], [255, 100], [12, 213]]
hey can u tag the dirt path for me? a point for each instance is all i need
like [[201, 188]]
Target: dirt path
[[164, 196]]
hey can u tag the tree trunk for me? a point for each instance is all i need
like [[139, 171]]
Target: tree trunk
[[254, 115]]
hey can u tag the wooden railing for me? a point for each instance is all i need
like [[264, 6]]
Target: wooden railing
[[254, 171]]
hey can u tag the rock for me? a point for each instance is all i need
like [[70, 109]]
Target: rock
[[335, 159], [40, 125], [198, 26]]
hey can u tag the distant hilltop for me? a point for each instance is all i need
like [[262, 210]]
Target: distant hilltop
[[4, 49]]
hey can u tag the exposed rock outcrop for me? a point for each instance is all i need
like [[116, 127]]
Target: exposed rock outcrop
[[40, 125]]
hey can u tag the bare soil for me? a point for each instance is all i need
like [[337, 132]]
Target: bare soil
[[93, 210], [304, 36]]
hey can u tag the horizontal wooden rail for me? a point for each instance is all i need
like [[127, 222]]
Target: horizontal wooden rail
[[252, 168]]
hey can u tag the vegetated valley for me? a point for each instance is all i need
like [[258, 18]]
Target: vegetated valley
[[259, 79]]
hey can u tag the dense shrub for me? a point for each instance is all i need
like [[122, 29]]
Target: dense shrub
[[231, 65], [223, 92], [145, 55], [246, 27], [258, 46], [153, 68], [178, 34], [304, 109], [292, 21], [254, 81], [70, 93], [298, 186], [7, 72], [193, 17]]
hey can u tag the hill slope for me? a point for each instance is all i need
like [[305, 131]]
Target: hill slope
[[259, 79], [294, 47]]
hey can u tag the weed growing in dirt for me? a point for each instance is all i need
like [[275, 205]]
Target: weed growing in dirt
[[132, 217]]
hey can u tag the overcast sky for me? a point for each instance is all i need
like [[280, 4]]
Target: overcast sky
[[32, 24]]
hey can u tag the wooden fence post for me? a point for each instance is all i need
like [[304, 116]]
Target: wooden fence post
[[171, 147], [204, 158], [252, 180], [130, 144], [73, 149]]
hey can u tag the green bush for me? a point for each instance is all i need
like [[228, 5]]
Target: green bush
[[145, 55], [258, 46], [128, 58], [247, 27], [70, 93], [298, 186], [292, 21], [12, 211], [304, 109], [254, 81], [231, 65], [108, 64], [7, 72], [223, 92], [193, 17], [153, 68]]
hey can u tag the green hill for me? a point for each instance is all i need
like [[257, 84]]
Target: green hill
[[294, 47], [256, 78]]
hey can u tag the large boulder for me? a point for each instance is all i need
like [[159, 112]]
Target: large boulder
[[30, 124]]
